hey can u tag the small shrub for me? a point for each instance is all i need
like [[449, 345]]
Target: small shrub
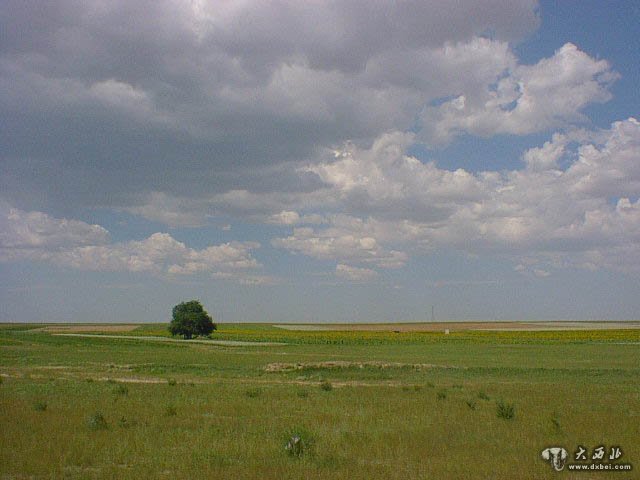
[[121, 390], [505, 410], [441, 395], [295, 446], [471, 403], [482, 395], [40, 406], [89, 380], [303, 393], [171, 411], [172, 382], [299, 442], [431, 385], [253, 392], [326, 386], [97, 422]]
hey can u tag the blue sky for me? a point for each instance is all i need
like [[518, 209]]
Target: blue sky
[[334, 162]]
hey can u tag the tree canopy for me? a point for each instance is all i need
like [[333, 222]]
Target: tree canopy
[[190, 319]]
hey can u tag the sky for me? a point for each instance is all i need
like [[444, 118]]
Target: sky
[[326, 161]]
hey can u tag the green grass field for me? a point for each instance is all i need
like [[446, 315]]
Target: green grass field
[[369, 405]]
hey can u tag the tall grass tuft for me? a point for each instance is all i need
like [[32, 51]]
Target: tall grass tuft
[[40, 406], [505, 410], [253, 393], [97, 421], [441, 395], [121, 389], [171, 411], [326, 386], [299, 442]]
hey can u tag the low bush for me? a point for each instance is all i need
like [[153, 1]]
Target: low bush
[[326, 386], [505, 410], [171, 411], [253, 392], [299, 442], [121, 390], [97, 421]]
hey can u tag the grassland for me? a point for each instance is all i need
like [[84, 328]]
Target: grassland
[[370, 404]]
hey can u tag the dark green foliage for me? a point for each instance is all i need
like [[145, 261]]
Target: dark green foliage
[[482, 395], [302, 393], [121, 390], [97, 422], [326, 386], [190, 320], [299, 442], [441, 395], [40, 406], [172, 382], [171, 411], [505, 410], [472, 404], [253, 392]]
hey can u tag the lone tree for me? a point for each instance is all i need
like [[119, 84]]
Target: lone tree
[[190, 319]]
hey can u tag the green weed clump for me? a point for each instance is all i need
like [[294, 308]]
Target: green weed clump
[[472, 404], [97, 421], [299, 442], [172, 382], [482, 395], [40, 406], [302, 393], [326, 386], [441, 395], [505, 410], [121, 390], [171, 411], [253, 393]]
